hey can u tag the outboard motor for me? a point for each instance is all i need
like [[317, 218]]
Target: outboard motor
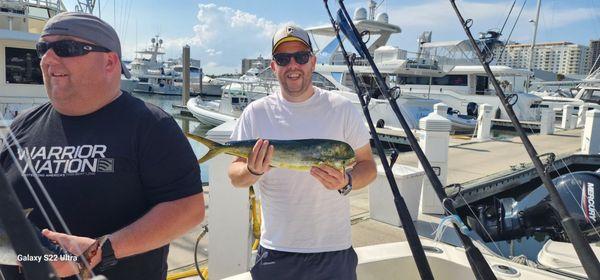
[[472, 109], [507, 218]]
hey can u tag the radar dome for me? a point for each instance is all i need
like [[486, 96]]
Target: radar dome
[[360, 14], [383, 17]]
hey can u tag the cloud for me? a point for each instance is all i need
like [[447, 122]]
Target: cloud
[[223, 36]]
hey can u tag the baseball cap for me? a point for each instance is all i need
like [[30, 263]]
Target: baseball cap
[[290, 33], [87, 27]]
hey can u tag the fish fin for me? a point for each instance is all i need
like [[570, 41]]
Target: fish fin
[[214, 148], [211, 154]]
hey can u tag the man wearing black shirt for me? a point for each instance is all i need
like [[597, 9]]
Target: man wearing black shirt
[[115, 167]]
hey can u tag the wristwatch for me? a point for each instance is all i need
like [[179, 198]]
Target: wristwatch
[[108, 256], [347, 188]]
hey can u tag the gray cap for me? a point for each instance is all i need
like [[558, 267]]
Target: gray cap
[[87, 27], [290, 33]]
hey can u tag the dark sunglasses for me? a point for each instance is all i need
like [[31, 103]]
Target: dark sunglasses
[[283, 59], [68, 48]]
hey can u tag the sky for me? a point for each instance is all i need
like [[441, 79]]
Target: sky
[[222, 33]]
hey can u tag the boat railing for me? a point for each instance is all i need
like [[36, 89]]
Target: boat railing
[[54, 5], [413, 62]]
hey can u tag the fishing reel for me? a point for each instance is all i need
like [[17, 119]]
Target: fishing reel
[[507, 218]]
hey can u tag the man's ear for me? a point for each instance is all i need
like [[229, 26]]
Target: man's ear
[[113, 63], [273, 66]]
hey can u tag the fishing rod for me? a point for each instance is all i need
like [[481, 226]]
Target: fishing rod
[[479, 265], [407, 224], [583, 249], [21, 234]]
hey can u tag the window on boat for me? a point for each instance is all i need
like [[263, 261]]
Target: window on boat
[[23, 67], [482, 85], [591, 96], [450, 80], [322, 82]]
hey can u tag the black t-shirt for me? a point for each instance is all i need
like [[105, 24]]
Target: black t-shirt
[[104, 171]]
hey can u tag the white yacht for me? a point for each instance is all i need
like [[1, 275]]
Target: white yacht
[[21, 82], [211, 86], [586, 91], [151, 74], [236, 95], [459, 83]]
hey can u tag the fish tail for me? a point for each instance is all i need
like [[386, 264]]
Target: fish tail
[[214, 148]]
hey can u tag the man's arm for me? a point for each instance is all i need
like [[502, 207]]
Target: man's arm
[[163, 223], [363, 172], [259, 161]]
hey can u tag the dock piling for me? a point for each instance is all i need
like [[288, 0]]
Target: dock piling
[[566, 123], [581, 114], [547, 122], [590, 140], [434, 140], [484, 122]]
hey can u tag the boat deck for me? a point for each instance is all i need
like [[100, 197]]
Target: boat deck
[[471, 163]]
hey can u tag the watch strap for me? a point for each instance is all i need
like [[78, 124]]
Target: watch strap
[[348, 187], [108, 255]]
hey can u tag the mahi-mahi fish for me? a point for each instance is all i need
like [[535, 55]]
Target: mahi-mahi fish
[[301, 154]]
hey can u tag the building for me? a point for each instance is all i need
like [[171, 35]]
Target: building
[[594, 56], [559, 57], [258, 62]]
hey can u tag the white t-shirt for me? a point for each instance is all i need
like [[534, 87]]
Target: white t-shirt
[[298, 213]]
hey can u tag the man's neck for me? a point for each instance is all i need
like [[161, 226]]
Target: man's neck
[[88, 107], [310, 91]]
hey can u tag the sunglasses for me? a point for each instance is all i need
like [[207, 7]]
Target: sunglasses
[[68, 48], [283, 59]]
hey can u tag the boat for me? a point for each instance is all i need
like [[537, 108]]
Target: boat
[[236, 95], [21, 82], [211, 87], [447, 262], [152, 75], [456, 81], [587, 91], [129, 84]]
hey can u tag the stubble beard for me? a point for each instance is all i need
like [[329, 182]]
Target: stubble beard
[[294, 90]]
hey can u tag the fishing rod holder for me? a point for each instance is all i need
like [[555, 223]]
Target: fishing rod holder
[[468, 23], [365, 33], [511, 99], [395, 93], [548, 161]]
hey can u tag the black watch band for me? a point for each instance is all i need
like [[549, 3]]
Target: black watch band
[[108, 256], [347, 188]]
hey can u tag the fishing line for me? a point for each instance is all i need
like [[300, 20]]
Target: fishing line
[[480, 223], [508, 16], [42, 188], [512, 29], [29, 186]]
